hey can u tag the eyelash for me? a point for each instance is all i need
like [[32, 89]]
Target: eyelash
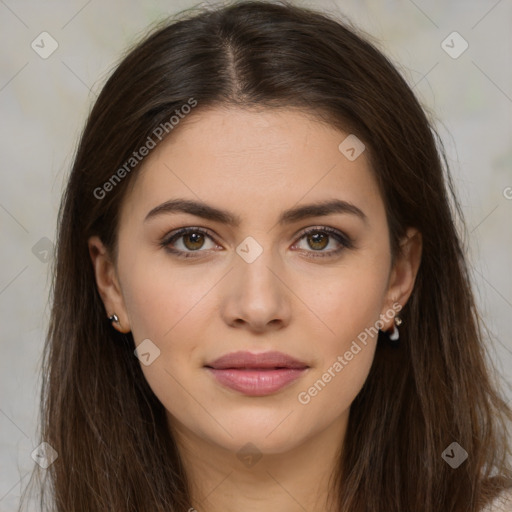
[[342, 239]]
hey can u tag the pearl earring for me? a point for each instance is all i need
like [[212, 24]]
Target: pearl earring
[[395, 335]]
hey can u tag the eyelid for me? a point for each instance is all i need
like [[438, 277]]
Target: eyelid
[[177, 233], [316, 228]]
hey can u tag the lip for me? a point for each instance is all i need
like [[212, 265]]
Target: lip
[[256, 374], [264, 360]]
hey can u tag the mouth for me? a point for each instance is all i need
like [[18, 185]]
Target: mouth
[[256, 374], [263, 361]]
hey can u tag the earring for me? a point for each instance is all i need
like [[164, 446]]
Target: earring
[[114, 318], [395, 335]]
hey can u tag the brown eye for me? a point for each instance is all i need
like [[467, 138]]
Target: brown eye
[[193, 241], [318, 241], [187, 241], [323, 242]]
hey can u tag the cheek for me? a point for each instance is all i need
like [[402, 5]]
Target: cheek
[[347, 344], [331, 390], [165, 307], [158, 296], [348, 305], [348, 300]]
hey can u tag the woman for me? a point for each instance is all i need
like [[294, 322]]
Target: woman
[[261, 300]]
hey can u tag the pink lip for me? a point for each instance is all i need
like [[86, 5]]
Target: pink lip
[[257, 382], [256, 374], [264, 360]]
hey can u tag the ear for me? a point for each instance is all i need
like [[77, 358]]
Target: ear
[[403, 274], [108, 283]]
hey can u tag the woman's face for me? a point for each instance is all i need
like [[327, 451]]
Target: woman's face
[[247, 277]]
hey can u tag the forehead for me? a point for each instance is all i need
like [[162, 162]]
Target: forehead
[[251, 158]]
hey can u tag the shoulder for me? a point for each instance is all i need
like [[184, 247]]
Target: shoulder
[[502, 503]]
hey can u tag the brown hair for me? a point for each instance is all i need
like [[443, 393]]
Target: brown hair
[[114, 449]]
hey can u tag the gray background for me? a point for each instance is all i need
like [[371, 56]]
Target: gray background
[[44, 103]]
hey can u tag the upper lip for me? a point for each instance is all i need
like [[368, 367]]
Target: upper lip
[[263, 360]]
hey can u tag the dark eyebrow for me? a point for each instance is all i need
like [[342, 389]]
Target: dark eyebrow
[[295, 214]]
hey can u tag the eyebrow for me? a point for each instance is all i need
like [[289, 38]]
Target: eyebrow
[[205, 211]]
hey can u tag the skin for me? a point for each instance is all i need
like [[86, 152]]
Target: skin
[[255, 165]]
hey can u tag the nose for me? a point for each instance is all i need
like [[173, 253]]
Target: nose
[[256, 296]]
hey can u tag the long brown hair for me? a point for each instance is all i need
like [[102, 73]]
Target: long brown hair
[[114, 449]]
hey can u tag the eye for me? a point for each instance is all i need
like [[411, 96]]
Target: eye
[[319, 238], [187, 240]]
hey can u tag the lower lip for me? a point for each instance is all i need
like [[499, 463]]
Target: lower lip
[[257, 382]]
